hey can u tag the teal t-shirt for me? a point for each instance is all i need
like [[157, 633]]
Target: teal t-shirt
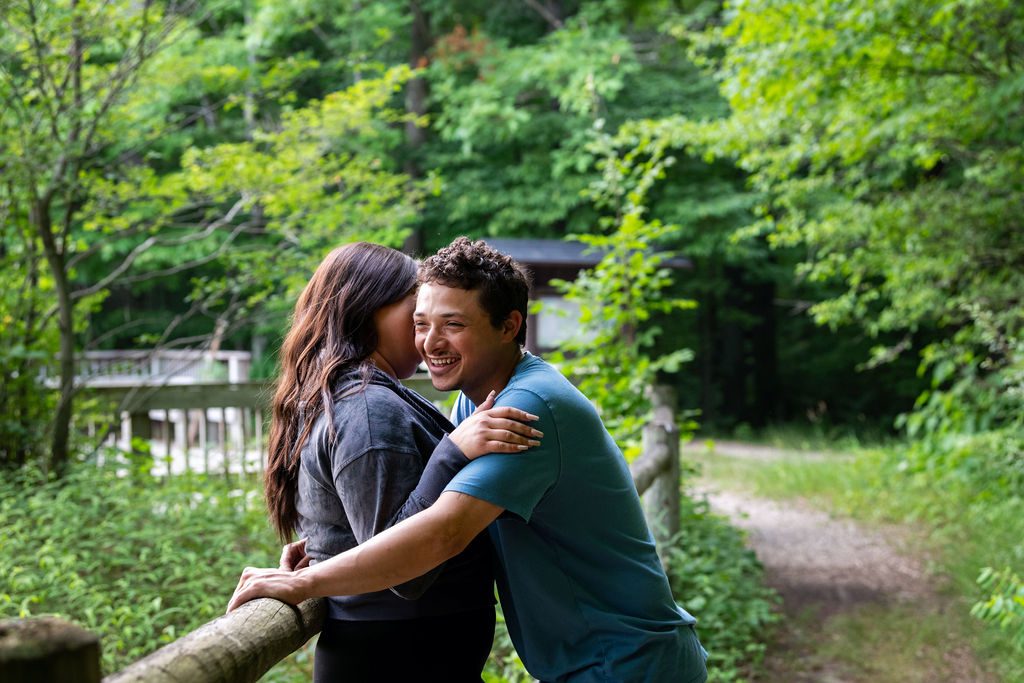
[[584, 594]]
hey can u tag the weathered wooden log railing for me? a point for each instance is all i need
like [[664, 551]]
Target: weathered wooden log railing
[[656, 472], [235, 648], [242, 646]]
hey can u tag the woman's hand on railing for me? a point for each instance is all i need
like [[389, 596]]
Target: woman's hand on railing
[[267, 583], [273, 583], [495, 430], [294, 556]]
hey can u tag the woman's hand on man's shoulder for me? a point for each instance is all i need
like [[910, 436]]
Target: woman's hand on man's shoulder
[[491, 429]]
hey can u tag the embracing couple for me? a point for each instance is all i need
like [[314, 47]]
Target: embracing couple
[[392, 498]]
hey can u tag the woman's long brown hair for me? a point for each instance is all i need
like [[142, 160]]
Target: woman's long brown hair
[[332, 333]]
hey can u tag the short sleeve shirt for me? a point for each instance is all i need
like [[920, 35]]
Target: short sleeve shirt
[[584, 594]]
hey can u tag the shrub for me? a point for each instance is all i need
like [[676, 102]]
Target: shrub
[[1005, 605], [139, 561], [142, 561], [715, 576]]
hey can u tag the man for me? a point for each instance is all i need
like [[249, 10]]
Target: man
[[583, 592]]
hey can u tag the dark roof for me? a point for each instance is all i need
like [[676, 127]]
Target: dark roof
[[536, 252]]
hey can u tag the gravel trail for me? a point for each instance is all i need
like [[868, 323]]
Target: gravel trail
[[825, 568]]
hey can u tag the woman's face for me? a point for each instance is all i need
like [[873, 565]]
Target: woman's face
[[396, 349]]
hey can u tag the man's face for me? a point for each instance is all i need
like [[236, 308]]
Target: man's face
[[461, 347]]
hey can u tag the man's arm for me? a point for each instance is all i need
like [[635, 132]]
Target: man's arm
[[396, 555]]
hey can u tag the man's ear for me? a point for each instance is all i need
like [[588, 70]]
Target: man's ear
[[510, 328]]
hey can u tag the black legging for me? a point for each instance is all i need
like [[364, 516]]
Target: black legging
[[451, 648]]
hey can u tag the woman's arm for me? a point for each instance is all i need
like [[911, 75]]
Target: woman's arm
[[375, 488]]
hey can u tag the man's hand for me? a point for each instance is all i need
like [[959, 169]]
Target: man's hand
[[267, 583], [495, 430], [293, 556]]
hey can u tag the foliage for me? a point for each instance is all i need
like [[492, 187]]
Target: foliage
[[118, 555], [195, 165], [136, 561], [27, 347], [889, 150], [719, 579], [138, 148], [612, 354], [513, 123], [885, 139], [65, 69], [985, 471], [1005, 606], [504, 664]]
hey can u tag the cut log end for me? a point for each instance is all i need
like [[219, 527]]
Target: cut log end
[[47, 650]]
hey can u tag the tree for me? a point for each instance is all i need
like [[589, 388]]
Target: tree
[[66, 67], [886, 139], [97, 201]]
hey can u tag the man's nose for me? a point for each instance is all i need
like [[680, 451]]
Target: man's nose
[[432, 339]]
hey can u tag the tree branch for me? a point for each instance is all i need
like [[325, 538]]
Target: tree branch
[[113, 332], [546, 13], [45, 77], [153, 241]]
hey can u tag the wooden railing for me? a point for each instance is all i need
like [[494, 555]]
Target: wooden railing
[[171, 366], [235, 648], [656, 472], [239, 646], [203, 426], [242, 646]]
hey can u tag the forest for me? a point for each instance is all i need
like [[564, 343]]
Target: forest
[[844, 179]]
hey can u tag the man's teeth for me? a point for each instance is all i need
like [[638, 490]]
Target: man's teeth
[[442, 361]]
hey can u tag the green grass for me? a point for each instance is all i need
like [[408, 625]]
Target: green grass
[[808, 437], [881, 644], [960, 527]]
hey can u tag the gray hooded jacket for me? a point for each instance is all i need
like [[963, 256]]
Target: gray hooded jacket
[[388, 459]]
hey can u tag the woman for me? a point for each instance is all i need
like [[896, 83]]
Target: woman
[[352, 452]]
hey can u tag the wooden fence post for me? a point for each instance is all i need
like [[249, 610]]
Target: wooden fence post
[[142, 428], [661, 436], [47, 650]]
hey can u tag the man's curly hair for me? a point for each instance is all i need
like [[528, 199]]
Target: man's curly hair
[[504, 285]]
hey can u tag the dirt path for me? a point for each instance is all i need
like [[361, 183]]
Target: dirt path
[[840, 581]]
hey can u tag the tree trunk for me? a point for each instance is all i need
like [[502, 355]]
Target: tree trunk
[[416, 104], [732, 359], [766, 375], [707, 344], [41, 220]]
